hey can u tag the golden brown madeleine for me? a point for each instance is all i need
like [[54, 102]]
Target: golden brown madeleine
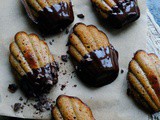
[[71, 108], [32, 60], [94, 58], [144, 80], [49, 15], [117, 12]]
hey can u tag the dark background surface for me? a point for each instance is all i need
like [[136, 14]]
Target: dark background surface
[[154, 8]]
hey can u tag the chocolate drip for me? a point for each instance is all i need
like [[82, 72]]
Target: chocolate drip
[[40, 81], [52, 19], [124, 12], [99, 67]]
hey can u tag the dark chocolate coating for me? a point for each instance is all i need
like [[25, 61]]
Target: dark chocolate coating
[[59, 16], [126, 11], [40, 81], [52, 19], [99, 67]]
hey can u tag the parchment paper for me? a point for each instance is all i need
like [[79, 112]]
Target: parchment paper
[[107, 103]]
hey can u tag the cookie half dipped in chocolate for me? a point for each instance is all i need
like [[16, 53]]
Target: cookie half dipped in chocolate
[[117, 12], [144, 80], [71, 108], [94, 58], [50, 15], [34, 64]]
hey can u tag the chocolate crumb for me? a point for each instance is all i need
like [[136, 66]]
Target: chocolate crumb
[[122, 71], [74, 85], [50, 42], [68, 43], [12, 88], [57, 66], [67, 30], [47, 106], [21, 99], [80, 16], [67, 50], [64, 58], [17, 106], [64, 73], [62, 87], [22, 107], [43, 104]]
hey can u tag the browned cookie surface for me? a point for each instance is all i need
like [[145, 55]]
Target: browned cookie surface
[[117, 12], [32, 60], [144, 80], [49, 15], [71, 108], [94, 58]]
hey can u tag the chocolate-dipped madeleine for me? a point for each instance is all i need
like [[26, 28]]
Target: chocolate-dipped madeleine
[[71, 108], [50, 15], [94, 58], [144, 80], [32, 60], [117, 12]]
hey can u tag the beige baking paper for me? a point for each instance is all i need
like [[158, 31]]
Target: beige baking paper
[[107, 103]]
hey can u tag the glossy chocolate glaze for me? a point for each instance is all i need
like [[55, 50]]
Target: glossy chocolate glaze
[[40, 81], [52, 19], [59, 16], [126, 11], [99, 67]]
